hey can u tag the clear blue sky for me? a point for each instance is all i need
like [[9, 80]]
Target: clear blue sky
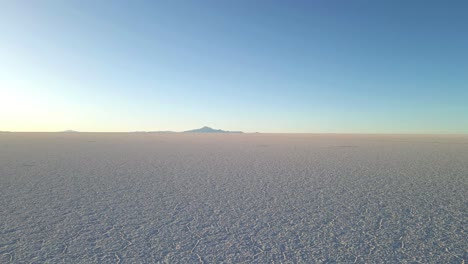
[[268, 66]]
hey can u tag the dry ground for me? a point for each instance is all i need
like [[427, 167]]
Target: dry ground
[[189, 198]]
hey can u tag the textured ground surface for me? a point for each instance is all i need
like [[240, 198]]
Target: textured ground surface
[[147, 198]]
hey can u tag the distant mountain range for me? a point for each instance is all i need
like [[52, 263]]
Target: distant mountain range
[[206, 129]]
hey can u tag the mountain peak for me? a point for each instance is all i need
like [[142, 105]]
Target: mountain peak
[[207, 129]]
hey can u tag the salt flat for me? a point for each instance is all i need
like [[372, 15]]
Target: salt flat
[[233, 198]]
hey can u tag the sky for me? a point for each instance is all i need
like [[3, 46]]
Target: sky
[[262, 65]]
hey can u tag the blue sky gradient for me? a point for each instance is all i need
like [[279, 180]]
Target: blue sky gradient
[[268, 66]]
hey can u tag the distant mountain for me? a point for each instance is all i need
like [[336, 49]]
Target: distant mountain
[[69, 131], [206, 129]]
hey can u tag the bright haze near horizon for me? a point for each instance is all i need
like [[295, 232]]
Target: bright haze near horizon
[[268, 66]]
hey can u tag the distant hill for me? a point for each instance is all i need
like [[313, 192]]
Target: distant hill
[[69, 131], [206, 129]]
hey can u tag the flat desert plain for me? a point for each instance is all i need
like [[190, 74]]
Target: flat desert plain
[[232, 198]]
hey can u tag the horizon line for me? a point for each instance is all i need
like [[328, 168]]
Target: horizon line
[[185, 132]]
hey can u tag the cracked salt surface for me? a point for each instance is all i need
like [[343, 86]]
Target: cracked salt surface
[[232, 198]]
